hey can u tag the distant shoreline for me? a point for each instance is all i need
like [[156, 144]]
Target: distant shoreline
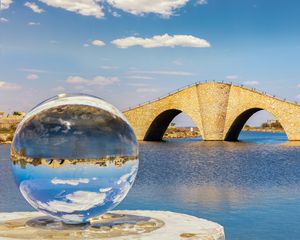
[[262, 130], [189, 134], [184, 133]]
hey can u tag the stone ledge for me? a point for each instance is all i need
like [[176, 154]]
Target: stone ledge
[[167, 226]]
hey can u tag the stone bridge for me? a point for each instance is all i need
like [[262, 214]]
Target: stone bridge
[[219, 110]]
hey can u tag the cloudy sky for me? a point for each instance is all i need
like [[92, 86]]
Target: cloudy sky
[[128, 51]]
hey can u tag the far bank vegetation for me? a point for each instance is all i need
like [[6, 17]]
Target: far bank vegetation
[[189, 132], [270, 126]]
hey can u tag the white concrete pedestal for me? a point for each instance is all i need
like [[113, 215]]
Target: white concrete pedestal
[[149, 225]]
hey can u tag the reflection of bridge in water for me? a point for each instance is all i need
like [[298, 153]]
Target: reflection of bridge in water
[[219, 110]]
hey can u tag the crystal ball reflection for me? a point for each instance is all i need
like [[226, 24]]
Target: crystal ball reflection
[[74, 157]]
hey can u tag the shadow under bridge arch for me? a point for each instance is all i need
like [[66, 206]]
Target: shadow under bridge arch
[[239, 122], [160, 124]]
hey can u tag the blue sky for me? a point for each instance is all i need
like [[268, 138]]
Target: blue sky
[[128, 52]]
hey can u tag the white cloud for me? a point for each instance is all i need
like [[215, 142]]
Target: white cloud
[[6, 86], [134, 170], [123, 192], [202, 2], [32, 70], [32, 76], [162, 7], [115, 14], [298, 96], [298, 86], [140, 77], [96, 81], [4, 4], [82, 7], [34, 24], [138, 84], [66, 124], [147, 90], [104, 190], [171, 73], [251, 83], [73, 182], [106, 67], [77, 201], [34, 7], [162, 41], [232, 77], [98, 43], [125, 178], [3, 20]]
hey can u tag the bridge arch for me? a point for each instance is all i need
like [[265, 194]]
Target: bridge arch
[[160, 124], [240, 120]]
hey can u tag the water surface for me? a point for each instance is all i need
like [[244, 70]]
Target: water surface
[[251, 187]]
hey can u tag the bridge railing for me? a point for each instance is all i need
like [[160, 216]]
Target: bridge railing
[[267, 94], [252, 89], [164, 96]]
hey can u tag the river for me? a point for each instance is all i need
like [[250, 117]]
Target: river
[[251, 187]]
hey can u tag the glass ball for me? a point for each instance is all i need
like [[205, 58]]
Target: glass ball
[[74, 157]]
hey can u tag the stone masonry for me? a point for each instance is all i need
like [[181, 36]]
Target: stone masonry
[[219, 110]]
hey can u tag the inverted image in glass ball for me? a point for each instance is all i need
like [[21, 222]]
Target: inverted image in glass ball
[[74, 157]]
